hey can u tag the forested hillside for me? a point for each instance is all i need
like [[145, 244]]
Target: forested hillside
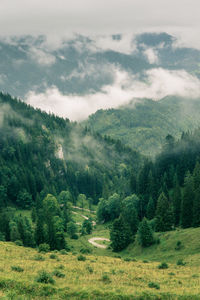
[[144, 124], [44, 153]]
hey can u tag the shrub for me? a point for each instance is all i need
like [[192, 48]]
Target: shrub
[[171, 274], [18, 243], [85, 250], [180, 262], [39, 257], [154, 285], [179, 246], [127, 259], [53, 256], [145, 261], [44, 277], [81, 258], [61, 267], [63, 252], [17, 269], [105, 278], [58, 274], [89, 269], [163, 266], [44, 248]]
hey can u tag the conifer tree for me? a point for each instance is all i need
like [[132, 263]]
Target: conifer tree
[[187, 202], [176, 199], [120, 235], [145, 234], [151, 209], [164, 214]]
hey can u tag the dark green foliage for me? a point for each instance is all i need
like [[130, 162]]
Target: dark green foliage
[[179, 245], [176, 199], [164, 214], [17, 269], [105, 278], [163, 265], [19, 243], [45, 277], [145, 234], [72, 230], [89, 269], [187, 202], [180, 262], [53, 256], [43, 248], [87, 226], [154, 285], [81, 258], [130, 213], [58, 274], [120, 234], [151, 209], [39, 257]]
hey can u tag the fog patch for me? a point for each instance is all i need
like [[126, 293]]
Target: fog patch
[[158, 83]]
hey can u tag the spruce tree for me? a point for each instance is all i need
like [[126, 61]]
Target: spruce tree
[[176, 199], [145, 234], [187, 202], [164, 214], [120, 235], [151, 209]]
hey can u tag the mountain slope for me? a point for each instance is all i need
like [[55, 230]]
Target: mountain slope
[[44, 153], [144, 124]]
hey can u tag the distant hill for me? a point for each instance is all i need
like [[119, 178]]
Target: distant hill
[[144, 124], [44, 153]]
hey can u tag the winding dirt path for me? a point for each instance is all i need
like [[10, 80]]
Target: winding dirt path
[[92, 241]]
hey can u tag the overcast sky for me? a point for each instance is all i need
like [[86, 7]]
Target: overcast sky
[[57, 18]]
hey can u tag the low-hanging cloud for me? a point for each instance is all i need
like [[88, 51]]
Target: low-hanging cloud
[[158, 84]]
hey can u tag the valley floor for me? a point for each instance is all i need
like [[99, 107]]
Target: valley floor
[[98, 277]]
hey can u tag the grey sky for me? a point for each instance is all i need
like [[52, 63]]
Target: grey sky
[[63, 17]]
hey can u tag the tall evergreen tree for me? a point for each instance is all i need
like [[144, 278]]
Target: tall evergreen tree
[[120, 235], [187, 202], [145, 234], [176, 199], [164, 214]]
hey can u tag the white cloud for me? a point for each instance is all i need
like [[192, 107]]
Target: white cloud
[[151, 55], [158, 84], [41, 57]]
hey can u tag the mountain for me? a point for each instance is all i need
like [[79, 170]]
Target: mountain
[[42, 153], [144, 124]]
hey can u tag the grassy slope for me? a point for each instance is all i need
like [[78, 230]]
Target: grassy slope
[[126, 280]]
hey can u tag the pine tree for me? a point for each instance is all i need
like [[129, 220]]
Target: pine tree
[[196, 201], [120, 235], [164, 214], [151, 209], [187, 202], [145, 234], [129, 212], [176, 199]]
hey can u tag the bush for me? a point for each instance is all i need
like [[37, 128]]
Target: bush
[[19, 243], [81, 258], [39, 257], [180, 262], [85, 250], [58, 274], [145, 261], [163, 266], [44, 277], [61, 267], [17, 269], [154, 285], [89, 269], [105, 278], [127, 259], [179, 246], [44, 248], [63, 252], [53, 256]]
